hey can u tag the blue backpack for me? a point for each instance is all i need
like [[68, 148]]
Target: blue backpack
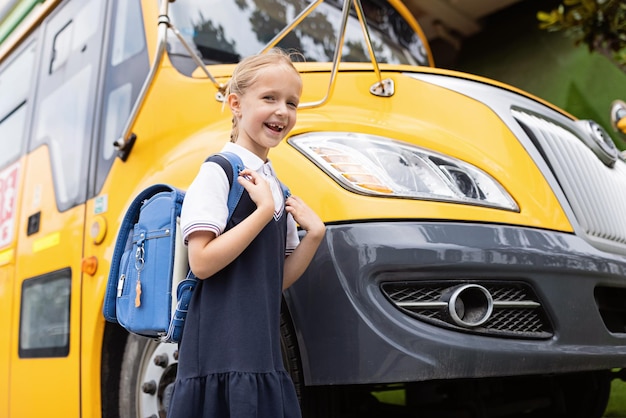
[[150, 284]]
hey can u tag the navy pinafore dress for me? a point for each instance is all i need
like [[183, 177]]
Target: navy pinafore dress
[[230, 363]]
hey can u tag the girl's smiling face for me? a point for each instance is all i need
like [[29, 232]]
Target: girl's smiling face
[[266, 112]]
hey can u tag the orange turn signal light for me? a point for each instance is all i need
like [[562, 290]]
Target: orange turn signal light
[[90, 265]]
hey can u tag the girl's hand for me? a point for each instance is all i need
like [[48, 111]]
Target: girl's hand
[[302, 255], [258, 189], [305, 216]]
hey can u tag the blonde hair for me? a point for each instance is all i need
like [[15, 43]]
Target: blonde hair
[[246, 73]]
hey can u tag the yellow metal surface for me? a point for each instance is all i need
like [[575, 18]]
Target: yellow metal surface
[[6, 256], [46, 242], [6, 316]]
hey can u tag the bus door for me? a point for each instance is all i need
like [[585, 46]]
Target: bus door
[[16, 79], [45, 370]]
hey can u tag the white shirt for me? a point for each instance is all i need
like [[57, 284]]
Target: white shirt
[[205, 205]]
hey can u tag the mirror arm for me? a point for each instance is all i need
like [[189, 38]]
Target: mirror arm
[[336, 59], [125, 142]]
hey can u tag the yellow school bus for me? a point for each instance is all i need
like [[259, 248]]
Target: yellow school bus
[[475, 256]]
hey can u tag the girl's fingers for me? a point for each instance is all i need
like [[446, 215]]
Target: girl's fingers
[[257, 187], [299, 210], [249, 175]]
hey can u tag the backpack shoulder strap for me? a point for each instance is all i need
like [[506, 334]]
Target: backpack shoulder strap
[[286, 191], [232, 164]]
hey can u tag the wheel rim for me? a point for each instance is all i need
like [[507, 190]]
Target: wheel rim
[[157, 373]]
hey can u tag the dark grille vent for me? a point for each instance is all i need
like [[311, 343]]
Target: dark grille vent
[[517, 312]]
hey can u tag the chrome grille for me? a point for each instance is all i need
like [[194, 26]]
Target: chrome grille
[[595, 192], [517, 312]]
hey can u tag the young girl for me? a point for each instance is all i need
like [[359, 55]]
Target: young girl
[[230, 361]]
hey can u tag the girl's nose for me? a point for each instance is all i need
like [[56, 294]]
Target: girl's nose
[[281, 109]]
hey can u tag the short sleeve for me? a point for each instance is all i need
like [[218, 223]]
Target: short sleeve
[[205, 205]]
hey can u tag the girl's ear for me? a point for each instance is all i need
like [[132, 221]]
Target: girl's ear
[[234, 104]]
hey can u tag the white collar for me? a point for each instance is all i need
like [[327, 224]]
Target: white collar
[[250, 159]]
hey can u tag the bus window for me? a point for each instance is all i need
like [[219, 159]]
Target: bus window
[[225, 31], [12, 134], [15, 82], [72, 35], [63, 125], [128, 33], [45, 315], [127, 68], [64, 118]]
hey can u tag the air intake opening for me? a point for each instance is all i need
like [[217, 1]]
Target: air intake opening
[[469, 305], [611, 302], [488, 307]]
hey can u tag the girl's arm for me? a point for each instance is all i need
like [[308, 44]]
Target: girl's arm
[[315, 229], [209, 254]]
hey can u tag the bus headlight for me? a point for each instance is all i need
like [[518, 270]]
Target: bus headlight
[[379, 166]]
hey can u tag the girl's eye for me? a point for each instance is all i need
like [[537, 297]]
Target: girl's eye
[[269, 98], [292, 104]]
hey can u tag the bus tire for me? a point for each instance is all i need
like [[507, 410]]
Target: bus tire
[[147, 377], [315, 402], [290, 351]]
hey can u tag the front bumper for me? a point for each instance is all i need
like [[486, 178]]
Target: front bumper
[[349, 332]]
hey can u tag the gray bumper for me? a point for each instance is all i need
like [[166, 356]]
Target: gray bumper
[[349, 332]]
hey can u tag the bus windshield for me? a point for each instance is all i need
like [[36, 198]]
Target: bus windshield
[[224, 31]]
